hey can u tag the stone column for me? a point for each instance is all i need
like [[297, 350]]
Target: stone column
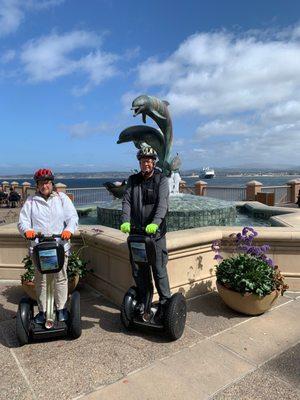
[[61, 187], [5, 186], [252, 188], [25, 186], [200, 188], [295, 187], [14, 184], [182, 186]]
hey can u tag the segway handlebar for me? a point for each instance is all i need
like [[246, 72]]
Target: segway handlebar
[[42, 236], [142, 231]]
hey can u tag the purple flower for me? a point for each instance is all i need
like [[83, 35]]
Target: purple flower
[[243, 242], [247, 229], [215, 246]]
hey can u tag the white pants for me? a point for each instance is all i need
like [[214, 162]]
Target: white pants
[[60, 287]]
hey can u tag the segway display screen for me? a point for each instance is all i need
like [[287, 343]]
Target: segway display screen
[[48, 260], [138, 251], [49, 257]]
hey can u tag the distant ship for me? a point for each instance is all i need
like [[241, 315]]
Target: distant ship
[[208, 173]]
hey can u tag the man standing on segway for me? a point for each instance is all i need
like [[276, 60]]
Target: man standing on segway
[[144, 206]]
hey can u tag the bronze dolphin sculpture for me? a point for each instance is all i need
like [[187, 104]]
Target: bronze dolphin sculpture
[[141, 134], [116, 190], [158, 111]]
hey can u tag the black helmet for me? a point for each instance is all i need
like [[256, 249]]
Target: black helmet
[[146, 151]]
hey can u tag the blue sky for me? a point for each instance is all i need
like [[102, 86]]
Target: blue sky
[[70, 69]]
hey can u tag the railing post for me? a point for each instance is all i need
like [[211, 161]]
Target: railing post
[[200, 188], [25, 186], [61, 187], [5, 186], [14, 184], [252, 188], [182, 186], [294, 189]]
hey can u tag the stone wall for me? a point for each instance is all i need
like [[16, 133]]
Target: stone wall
[[191, 263]]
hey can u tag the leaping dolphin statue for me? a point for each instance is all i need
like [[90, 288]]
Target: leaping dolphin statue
[[158, 111], [117, 189], [141, 134], [159, 139]]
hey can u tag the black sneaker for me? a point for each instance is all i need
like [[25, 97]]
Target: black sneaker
[[40, 318], [140, 308], [62, 315]]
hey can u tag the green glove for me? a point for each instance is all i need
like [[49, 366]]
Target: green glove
[[151, 228], [125, 227]]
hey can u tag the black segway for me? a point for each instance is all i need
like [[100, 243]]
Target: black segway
[[142, 250], [49, 258]]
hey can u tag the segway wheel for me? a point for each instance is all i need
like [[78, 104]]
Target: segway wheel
[[127, 308], [175, 316], [23, 319], [75, 328]]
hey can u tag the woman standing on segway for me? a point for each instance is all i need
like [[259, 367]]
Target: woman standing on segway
[[49, 212], [145, 204]]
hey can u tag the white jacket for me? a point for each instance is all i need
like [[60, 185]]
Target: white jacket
[[48, 217]]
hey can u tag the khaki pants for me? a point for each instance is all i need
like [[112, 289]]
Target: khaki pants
[[60, 287]]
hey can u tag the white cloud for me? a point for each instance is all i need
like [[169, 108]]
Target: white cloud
[[283, 111], [11, 16], [98, 66], [85, 129], [241, 90], [221, 73], [222, 128], [53, 56], [179, 142], [7, 56], [42, 4], [12, 12]]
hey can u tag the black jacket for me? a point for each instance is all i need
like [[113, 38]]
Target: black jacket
[[146, 201]]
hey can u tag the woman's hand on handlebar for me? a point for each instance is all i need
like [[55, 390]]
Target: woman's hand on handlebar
[[30, 234], [66, 235]]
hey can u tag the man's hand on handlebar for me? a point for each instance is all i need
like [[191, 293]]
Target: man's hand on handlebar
[[30, 234], [125, 227], [66, 235], [151, 229]]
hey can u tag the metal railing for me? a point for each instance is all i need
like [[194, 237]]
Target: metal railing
[[282, 194], [228, 193], [88, 196], [187, 189]]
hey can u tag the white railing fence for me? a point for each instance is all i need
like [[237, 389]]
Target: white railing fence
[[226, 193], [282, 194], [89, 196]]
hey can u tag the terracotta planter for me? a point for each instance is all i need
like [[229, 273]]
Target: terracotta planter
[[250, 304], [29, 287]]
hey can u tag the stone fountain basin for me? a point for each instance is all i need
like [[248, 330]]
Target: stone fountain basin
[[185, 212]]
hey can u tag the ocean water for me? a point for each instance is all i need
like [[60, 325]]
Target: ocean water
[[218, 181]]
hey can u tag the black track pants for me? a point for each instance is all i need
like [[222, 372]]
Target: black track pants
[[142, 275]]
